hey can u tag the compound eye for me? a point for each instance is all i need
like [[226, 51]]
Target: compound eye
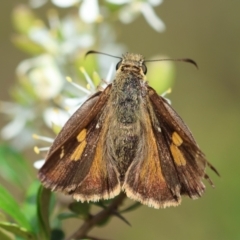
[[118, 65], [144, 68]]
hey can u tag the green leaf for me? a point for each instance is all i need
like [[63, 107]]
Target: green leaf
[[43, 203], [10, 206], [14, 167], [67, 215], [17, 230], [29, 207], [82, 209]]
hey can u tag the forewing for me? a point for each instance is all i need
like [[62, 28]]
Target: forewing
[[76, 163]]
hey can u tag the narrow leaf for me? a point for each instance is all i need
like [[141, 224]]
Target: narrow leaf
[[30, 207], [17, 230], [66, 215], [10, 207], [43, 202]]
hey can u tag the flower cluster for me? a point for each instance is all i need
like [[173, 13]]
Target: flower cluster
[[91, 11]]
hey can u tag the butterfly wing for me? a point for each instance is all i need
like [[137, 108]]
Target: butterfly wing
[[75, 163], [171, 163], [188, 159]]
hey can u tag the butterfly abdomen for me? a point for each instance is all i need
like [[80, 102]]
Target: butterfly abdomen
[[125, 131]]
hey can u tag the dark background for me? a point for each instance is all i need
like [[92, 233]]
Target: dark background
[[208, 100]]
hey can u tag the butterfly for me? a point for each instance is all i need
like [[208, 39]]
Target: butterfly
[[126, 138]]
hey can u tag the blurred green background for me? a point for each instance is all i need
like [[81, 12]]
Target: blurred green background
[[207, 99]]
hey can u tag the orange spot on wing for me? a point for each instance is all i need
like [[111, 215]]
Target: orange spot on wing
[[78, 151], [81, 138], [82, 135], [177, 155], [177, 140]]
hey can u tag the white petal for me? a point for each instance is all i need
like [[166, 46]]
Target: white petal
[[43, 74], [73, 44], [127, 14], [153, 20], [65, 3], [88, 79], [83, 89], [74, 102], [89, 11], [38, 164], [37, 3], [155, 2], [23, 140], [13, 128], [119, 2], [55, 116]]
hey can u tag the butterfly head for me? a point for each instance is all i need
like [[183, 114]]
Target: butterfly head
[[132, 62]]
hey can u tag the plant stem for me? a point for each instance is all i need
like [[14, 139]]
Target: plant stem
[[90, 223]]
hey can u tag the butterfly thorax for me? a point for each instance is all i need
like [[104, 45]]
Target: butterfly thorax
[[128, 88]]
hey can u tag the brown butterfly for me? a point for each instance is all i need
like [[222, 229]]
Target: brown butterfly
[[126, 138]]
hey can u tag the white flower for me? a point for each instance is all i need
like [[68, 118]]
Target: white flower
[[16, 130], [65, 3], [88, 10], [39, 163], [72, 104], [42, 36], [55, 116], [130, 11], [44, 75], [151, 17]]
